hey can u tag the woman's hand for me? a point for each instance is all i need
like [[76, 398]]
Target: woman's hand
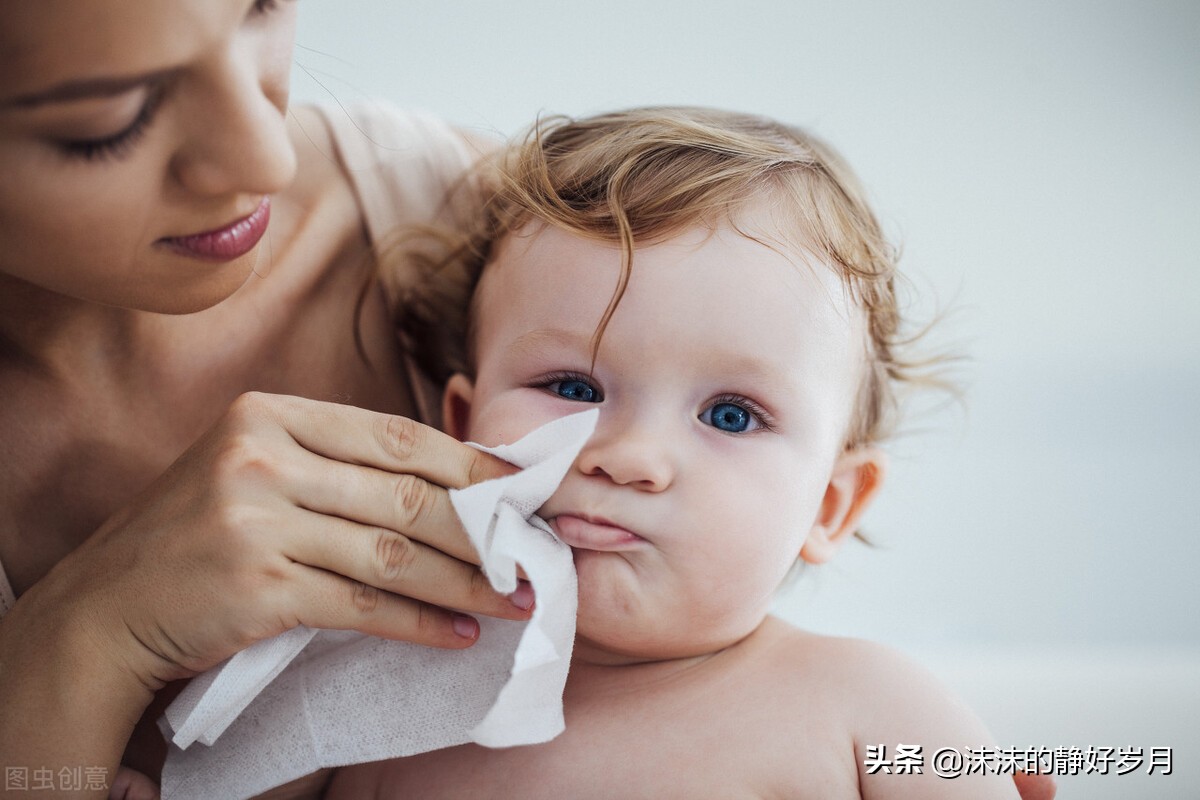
[[288, 512]]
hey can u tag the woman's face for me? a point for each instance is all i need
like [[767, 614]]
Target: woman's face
[[139, 140]]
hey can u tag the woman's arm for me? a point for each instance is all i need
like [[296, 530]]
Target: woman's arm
[[69, 700], [288, 512]]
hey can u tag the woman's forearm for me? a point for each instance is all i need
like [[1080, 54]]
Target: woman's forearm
[[68, 703]]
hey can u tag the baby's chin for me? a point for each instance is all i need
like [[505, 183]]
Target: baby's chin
[[621, 630]]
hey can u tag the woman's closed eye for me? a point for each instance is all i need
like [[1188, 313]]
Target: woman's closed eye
[[733, 414], [569, 386], [121, 143]]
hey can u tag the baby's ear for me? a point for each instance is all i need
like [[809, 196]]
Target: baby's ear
[[456, 405], [856, 478]]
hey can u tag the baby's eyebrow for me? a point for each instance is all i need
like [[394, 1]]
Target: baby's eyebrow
[[744, 367], [541, 339]]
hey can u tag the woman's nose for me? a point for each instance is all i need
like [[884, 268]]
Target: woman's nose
[[238, 141], [629, 455]]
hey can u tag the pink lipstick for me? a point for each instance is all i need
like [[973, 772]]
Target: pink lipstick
[[227, 243]]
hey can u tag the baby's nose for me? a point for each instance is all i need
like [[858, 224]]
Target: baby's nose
[[628, 456]]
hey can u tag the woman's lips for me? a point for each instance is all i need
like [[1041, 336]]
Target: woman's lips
[[225, 244], [593, 533]]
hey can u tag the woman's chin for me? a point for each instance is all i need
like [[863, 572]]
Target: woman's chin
[[206, 292]]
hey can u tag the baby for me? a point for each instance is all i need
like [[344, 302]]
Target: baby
[[717, 285]]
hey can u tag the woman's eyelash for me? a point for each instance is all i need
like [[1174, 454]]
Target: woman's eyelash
[[120, 144]]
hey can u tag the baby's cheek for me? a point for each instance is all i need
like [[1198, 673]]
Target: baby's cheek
[[514, 414], [499, 423], [795, 495]]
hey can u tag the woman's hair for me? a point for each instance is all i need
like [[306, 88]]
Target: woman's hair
[[640, 176]]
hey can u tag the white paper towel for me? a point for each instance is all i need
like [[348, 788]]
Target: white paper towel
[[309, 699]]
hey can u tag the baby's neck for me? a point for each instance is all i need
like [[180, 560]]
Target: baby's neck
[[598, 674], [590, 682]]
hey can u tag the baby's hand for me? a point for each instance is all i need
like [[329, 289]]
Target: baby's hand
[[129, 784], [1035, 787]]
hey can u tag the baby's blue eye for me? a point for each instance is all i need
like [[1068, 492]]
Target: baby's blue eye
[[577, 390], [728, 417]]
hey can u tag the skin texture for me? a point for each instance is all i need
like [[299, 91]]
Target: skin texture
[[169, 493], [681, 685]]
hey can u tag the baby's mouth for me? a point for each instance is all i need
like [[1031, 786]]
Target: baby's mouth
[[594, 533]]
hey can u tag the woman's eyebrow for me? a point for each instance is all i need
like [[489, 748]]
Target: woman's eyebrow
[[85, 89]]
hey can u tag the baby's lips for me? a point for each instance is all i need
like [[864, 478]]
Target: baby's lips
[[594, 533]]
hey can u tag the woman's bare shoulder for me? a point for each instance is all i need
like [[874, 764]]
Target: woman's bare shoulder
[[318, 166]]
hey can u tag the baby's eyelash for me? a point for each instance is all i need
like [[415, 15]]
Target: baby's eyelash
[[266, 6], [550, 379], [761, 414], [556, 377], [120, 144]]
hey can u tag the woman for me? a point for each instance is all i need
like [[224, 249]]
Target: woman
[[183, 263], [173, 239]]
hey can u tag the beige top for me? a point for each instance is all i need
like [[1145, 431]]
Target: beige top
[[400, 164]]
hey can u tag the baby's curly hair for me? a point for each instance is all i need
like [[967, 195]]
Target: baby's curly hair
[[643, 175]]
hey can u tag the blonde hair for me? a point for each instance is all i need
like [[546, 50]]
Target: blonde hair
[[642, 175]]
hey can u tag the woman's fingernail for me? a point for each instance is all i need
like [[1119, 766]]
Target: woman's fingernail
[[522, 598], [465, 626]]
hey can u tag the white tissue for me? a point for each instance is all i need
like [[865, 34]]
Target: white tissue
[[309, 699]]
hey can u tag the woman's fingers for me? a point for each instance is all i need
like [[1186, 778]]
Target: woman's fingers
[[292, 511], [399, 502], [386, 442], [343, 604], [387, 560]]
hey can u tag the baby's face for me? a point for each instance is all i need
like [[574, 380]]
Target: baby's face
[[725, 380]]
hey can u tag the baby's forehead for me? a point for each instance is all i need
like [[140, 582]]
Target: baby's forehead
[[746, 286], [800, 269]]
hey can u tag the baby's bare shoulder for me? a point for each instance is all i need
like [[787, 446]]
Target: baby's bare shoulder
[[801, 659], [868, 686], [877, 697], [801, 656]]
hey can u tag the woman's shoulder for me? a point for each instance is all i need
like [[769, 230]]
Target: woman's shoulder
[[404, 171], [400, 164]]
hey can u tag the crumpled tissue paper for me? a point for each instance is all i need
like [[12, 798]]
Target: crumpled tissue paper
[[310, 699]]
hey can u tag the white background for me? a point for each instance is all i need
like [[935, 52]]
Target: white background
[[1040, 164]]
